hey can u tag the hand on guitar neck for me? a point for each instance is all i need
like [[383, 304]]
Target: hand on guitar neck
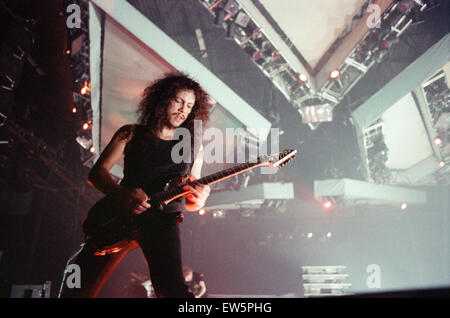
[[198, 195]]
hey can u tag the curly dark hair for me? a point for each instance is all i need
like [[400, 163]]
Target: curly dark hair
[[157, 96]]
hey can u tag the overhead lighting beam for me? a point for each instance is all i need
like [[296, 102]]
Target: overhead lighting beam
[[350, 42], [275, 39]]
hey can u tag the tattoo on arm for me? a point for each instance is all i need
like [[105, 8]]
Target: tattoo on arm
[[125, 132]]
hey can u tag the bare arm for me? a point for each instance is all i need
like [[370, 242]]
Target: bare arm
[[196, 170], [99, 176], [200, 193], [202, 290]]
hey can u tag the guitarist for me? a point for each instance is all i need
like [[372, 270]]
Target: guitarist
[[170, 102]]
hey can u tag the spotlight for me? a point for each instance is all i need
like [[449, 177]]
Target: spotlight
[[328, 204], [438, 141], [309, 235], [405, 6], [201, 212], [92, 149], [231, 7], [218, 214], [86, 88], [85, 126], [404, 206], [74, 110], [302, 78], [328, 235], [335, 74], [242, 19], [442, 164]]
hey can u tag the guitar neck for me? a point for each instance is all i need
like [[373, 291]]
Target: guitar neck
[[227, 173], [178, 191]]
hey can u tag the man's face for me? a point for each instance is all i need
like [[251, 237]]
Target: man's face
[[180, 107]]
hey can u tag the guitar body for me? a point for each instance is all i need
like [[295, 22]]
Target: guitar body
[[109, 226], [108, 223]]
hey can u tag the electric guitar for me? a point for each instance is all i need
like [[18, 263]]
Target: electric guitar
[[109, 226]]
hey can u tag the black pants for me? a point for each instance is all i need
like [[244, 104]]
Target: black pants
[[159, 239]]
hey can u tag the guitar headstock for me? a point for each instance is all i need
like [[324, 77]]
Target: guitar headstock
[[279, 159]]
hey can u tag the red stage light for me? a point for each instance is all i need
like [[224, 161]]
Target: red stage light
[[327, 204], [86, 88], [438, 141], [335, 74]]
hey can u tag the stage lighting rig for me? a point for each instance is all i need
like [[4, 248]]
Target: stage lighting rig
[[437, 94], [218, 214], [377, 153], [78, 53], [231, 7], [302, 78], [7, 83], [335, 74], [262, 52], [372, 49], [16, 47], [242, 19]]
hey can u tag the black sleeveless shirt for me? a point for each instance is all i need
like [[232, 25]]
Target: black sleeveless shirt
[[148, 165]]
